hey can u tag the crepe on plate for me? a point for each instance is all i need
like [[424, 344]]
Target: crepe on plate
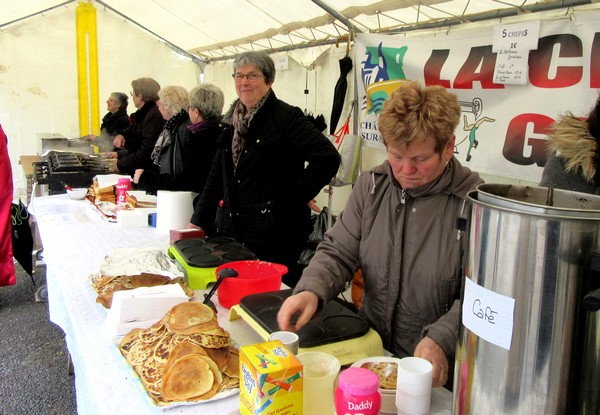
[[105, 285], [387, 372]]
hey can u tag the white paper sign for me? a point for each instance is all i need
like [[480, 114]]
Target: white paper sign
[[512, 44], [488, 315], [521, 36], [281, 62], [511, 67]]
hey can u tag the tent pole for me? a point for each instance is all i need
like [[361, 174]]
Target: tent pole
[[538, 7], [36, 13], [198, 61], [337, 15], [499, 14]]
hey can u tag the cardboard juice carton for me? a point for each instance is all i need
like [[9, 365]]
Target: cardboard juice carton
[[271, 380]]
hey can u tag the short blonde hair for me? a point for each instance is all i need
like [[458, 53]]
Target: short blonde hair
[[414, 113], [174, 98]]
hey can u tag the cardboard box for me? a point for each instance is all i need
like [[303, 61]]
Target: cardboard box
[[271, 380], [185, 233]]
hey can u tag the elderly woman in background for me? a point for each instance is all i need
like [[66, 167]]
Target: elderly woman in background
[[173, 102], [270, 164], [137, 141], [188, 157], [114, 122], [574, 161], [398, 227]]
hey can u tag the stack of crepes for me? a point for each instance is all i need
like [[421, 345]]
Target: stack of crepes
[[138, 199], [106, 285], [185, 357], [102, 194]]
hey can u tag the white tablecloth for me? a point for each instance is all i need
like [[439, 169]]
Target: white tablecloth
[[75, 240]]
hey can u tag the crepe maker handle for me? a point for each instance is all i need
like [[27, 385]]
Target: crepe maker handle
[[222, 274]]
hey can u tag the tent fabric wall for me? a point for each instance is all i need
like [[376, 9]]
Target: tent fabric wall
[[38, 76]]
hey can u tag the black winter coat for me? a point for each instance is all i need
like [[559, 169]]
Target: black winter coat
[[171, 155], [192, 155], [140, 138], [113, 124], [267, 196]]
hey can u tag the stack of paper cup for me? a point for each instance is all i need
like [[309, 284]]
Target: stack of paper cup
[[413, 387]]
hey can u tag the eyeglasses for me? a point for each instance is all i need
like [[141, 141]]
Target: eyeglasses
[[250, 76]]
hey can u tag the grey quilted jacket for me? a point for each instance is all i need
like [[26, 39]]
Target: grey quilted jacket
[[408, 247]]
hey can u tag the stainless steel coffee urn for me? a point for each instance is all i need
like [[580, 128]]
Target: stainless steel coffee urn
[[527, 344]]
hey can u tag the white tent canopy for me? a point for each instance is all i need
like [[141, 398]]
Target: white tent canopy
[[215, 30], [190, 41]]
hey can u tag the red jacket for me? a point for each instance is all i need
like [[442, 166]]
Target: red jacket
[[7, 266]]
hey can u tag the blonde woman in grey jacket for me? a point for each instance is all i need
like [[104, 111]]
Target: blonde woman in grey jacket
[[399, 228]]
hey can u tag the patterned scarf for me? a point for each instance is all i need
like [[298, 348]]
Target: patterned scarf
[[241, 122], [166, 136]]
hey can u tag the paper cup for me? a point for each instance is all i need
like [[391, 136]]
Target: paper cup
[[288, 338], [413, 387], [320, 371]]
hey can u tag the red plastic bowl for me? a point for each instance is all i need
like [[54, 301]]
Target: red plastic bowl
[[253, 277]]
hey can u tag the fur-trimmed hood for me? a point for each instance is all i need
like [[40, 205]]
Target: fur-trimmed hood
[[571, 140]]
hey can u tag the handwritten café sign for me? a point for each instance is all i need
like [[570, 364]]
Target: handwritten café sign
[[488, 314]]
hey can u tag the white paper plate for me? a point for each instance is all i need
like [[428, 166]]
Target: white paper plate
[[388, 396], [376, 359]]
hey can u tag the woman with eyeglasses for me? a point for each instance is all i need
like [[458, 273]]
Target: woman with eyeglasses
[[270, 164], [137, 141], [187, 145]]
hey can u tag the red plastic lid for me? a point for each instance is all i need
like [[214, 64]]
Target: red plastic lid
[[358, 381]]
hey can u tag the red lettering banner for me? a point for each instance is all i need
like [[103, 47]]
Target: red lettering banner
[[503, 127]]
